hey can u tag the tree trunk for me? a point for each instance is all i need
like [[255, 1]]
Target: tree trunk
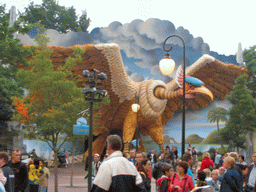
[[55, 167], [220, 138], [72, 168]]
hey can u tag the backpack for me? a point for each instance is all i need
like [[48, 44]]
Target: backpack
[[210, 167]]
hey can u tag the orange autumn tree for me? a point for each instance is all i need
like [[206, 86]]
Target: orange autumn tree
[[50, 108], [22, 111]]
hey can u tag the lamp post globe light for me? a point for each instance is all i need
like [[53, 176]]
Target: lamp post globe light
[[167, 66], [135, 109], [94, 79]]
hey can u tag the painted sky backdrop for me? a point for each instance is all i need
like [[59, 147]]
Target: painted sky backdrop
[[222, 24]]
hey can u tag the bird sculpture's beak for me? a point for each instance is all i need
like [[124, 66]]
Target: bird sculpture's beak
[[202, 90]]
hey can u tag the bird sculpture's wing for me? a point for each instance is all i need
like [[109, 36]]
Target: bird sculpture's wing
[[217, 76], [105, 58]]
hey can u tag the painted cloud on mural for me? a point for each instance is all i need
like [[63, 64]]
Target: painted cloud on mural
[[144, 40]]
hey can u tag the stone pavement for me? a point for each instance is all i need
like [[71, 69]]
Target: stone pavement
[[64, 176], [79, 183]]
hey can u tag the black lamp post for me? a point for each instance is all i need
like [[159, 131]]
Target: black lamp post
[[93, 78], [135, 109], [167, 68]]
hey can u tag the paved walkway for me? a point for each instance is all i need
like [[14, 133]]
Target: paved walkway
[[79, 183], [64, 179]]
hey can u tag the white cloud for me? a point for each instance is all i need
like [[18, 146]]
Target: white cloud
[[136, 77]]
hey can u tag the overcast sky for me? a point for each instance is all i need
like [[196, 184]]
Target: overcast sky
[[221, 24]]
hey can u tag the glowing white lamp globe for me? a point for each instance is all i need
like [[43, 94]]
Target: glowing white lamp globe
[[135, 107], [167, 65]]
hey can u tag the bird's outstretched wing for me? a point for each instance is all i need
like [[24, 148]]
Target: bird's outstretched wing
[[217, 76], [105, 58]]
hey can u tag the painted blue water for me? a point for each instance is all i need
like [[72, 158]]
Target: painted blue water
[[43, 149]]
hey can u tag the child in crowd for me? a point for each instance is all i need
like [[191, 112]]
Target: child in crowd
[[33, 175], [210, 180], [43, 177], [222, 171], [201, 182], [214, 175], [164, 181], [201, 179]]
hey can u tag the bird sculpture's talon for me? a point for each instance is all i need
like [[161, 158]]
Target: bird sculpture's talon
[[126, 148], [161, 147]]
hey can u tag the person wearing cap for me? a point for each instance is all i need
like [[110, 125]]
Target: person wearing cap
[[34, 153]]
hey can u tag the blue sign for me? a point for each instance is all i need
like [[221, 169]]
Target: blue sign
[[81, 121], [81, 129]]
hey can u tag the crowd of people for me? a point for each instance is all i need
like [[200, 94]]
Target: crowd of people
[[223, 173], [118, 171], [17, 176]]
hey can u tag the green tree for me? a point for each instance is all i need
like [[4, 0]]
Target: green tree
[[51, 106], [8, 89], [53, 16], [242, 118], [83, 22], [250, 63], [217, 115], [11, 53]]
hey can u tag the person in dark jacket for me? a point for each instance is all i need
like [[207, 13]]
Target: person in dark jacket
[[132, 156], [8, 173], [20, 171], [238, 167], [34, 153], [231, 181], [152, 157]]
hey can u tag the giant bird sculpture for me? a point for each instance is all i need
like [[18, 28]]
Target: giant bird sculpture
[[158, 101]]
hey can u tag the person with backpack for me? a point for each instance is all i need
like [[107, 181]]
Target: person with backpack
[[164, 181], [207, 162]]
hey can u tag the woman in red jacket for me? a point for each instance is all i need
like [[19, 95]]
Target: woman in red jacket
[[180, 181], [206, 162]]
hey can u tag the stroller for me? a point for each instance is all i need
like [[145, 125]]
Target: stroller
[[62, 160]]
